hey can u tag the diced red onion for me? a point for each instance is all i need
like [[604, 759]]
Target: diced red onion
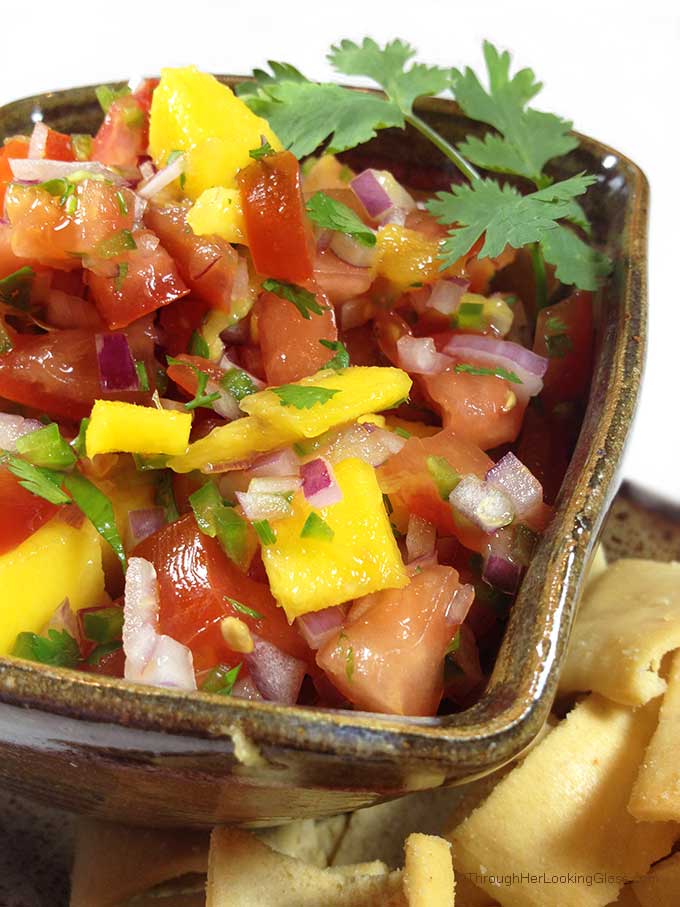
[[419, 356], [151, 658], [317, 626], [263, 506], [147, 169], [527, 365], [14, 427], [65, 311], [395, 216], [244, 688], [323, 238], [446, 295], [460, 604], [370, 192], [500, 570], [38, 143], [319, 484], [226, 364], [139, 209], [163, 178], [226, 405], [176, 405], [364, 441], [64, 618], [116, 365], [143, 523], [355, 312], [485, 506], [274, 485], [280, 463], [421, 537], [276, 675], [518, 483], [42, 170], [348, 249]]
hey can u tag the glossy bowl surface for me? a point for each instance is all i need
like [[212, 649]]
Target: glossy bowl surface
[[119, 751]]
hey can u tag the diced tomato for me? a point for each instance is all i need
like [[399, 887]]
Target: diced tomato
[[123, 135], [9, 262], [196, 579], [58, 146], [339, 280], [484, 409], [564, 333], [22, 513], [207, 264], [178, 321], [150, 281], [110, 665], [278, 229], [250, 357], [43, 229], [14, 148], [389, 654], [545, 447], [290, 343], [143, 94], [58, 373], [186, 377], [405, 477]]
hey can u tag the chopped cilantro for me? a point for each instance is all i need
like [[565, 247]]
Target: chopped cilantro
[[99, 511], [198, 346], [443, 475], [341, 358], [334, 215], [497, 372], [264, 531], [304, 301], [123, 268], [122, 204], [106, 95], [238, 383], [221, 680], [57, 648], [304, 397], [202, 378], [165, 496], [142, 375], [263, 150], [316, 528], [349, 654], [46, 447], [15, 289], [39, 481], [243, 609]]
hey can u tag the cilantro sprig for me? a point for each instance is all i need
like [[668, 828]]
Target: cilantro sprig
[[331, 214], [304, 301], [304, 397], [497, 372], [341, 358]]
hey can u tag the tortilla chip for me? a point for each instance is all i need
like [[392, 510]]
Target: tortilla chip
[[626, 898], [656, 792], [428, 872], [661, 887], [115, 862], [598, 564], [244, 872], [628, 620], [308, 840], [563, 813], [187, 891]]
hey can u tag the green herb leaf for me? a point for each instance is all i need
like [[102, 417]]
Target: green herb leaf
[[334, 215], [122, 204], [57, 648], [221, 680], [104, 625], [99, 511], [142, 375], [46, 447], [304, 301], [243, 609], [341, 358], [165, 496], [443, 475], [263, 150], [238, 383], [42, 482], [202, 378], [198, 346], [216, 519], [508, 218], [388, 504], [525, 139], [304, 397], [264, 531], [316, 528], [497, 372], [107, 95], [78, 443], [15, 289]]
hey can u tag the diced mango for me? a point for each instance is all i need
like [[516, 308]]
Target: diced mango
[[308, 574], [125, 427], [191, 111], [408, 258], [218, 212], [360, 390], [231, 443], [56, 562]]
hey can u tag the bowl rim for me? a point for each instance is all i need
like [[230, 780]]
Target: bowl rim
[[509, 714]]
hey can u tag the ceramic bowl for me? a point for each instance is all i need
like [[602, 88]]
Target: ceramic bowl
[[123, 752]]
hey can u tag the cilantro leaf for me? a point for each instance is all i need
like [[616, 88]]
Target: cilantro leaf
[[304, 301], [497, 372], [42, 482], [333, 215], [99, 511], [243, 609], [264, 150], [58, 648], [527, 139], [304, 397], [507, 217], [341, 358], [15, 289], [238, 383]]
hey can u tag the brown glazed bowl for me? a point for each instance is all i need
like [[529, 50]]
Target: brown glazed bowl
[[124, 752]]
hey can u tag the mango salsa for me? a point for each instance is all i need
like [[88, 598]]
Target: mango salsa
[[125, 427], [56, 562], [191, 111], [218, 212], [407, 258], [313, 405], [229, 443], [308, 574]]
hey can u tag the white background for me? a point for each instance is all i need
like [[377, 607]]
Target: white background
[[611, 67]]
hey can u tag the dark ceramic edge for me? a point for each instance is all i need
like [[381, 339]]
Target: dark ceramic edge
[[511, 712]]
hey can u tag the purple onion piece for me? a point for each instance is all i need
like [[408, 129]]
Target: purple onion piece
[[277, 676], [502, 573], [511, 476], [144, 523], [482, 504], [116, 366], [367, 188]]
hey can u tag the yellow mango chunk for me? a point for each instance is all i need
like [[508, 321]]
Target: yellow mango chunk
[[117, 427], [56, 562], [407, 257], [230, 443], [308, 574], [191, 111], [358, 390], [218, 212]]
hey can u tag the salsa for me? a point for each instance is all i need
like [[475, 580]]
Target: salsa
[[265, 430]]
